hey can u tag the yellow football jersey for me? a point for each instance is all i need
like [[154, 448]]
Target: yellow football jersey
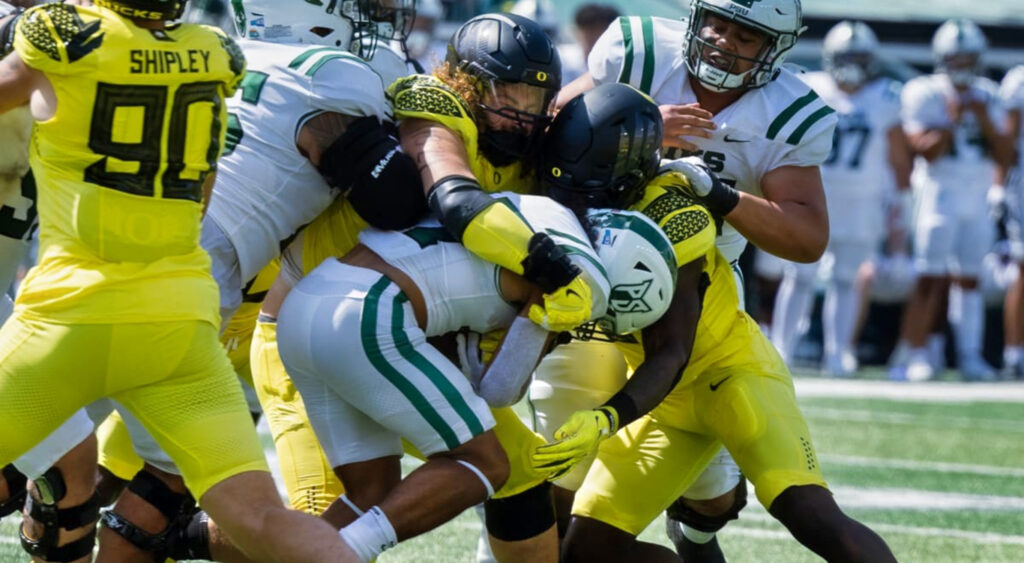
[[425, 97], [120, 166], [690, 227]]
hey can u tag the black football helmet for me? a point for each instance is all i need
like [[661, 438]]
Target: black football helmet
[[602, 148], [145, 9], [505, 48]]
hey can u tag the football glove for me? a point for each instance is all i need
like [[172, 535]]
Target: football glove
[[714, 194], [575, 440], [567, 297]]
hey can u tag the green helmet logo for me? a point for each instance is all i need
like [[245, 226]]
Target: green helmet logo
[[629, 298]]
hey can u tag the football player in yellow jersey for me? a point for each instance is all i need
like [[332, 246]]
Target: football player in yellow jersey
[[130, 115], [703, 376], [474, 126]]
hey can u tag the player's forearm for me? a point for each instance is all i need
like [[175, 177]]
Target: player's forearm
[[504, 381], [793, 230], [437, 151], [931, 144], [1000, 144], [901, 159]]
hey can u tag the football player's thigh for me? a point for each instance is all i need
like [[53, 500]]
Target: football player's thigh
[[116, 452], [47, 372], [518, 441], [973, 241], [755, 414], [308, 477], [574, 376], [933, 244], [196, 411], [640, 471]]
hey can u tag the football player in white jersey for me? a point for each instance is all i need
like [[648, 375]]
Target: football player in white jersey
[[1011, 92], [725, 97], [869, 158], [352, 336], [953, 121]]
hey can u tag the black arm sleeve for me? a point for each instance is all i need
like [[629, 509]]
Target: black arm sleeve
[[456, 200], [380, 181]]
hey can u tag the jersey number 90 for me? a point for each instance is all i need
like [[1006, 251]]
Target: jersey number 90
[[158, 130]]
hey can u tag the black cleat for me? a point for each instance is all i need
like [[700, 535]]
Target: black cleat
[[689, 551]]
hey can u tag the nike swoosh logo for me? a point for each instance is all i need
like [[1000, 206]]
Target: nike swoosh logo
[[572, 292], [83, 42], [728, 140], [715, 386]]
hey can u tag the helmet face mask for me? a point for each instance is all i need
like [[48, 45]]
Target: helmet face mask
[[517, 72], [154, 10], [776, 22]]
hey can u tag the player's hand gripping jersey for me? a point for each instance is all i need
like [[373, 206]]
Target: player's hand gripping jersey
[[121, 207], [267, 189], [784, 123], [426, 97], [857, 174]]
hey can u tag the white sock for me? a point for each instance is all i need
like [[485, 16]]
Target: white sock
[[839, 314], [971, 317], [370, 534], [1012, 355], [697, 536], [936, 347], [792, 306]]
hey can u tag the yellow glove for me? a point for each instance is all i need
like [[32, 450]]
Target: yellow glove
[[565, 308], [576, 439]]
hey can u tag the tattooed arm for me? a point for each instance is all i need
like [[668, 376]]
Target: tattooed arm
[[437, 150], [319, 133]]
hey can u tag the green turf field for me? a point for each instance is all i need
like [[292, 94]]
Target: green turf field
[[937, 469]]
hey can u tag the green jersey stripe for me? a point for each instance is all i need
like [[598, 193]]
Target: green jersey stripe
[[297, 62], [798, 133], [406, 349], [368, 334], [627, 48], [647, 30], [789, 112], [569, 249]]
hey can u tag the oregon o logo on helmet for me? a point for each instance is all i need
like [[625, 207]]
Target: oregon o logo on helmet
[[556, 172], [629, 298], [542, 76]]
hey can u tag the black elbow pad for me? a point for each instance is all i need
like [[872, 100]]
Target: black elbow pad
[[456, 200], [382, 183]]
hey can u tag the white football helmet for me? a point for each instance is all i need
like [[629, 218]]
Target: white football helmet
[[780, 20], [848, 53], [957, 46], [355, 25], [641, 266]]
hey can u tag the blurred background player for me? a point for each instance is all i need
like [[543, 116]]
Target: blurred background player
[[725, 96], [867, 170], [1011, 93], [953, 121]]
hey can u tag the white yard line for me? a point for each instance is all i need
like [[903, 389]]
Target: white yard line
[[958, 422], [942, 392], [915, 499], [916, 465]]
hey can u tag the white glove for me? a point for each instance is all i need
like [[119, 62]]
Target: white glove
[[468, 347], [694, 169], [6, 9]]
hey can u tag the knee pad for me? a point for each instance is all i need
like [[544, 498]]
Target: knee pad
[[169, 503], [680, 512], [16, 487], [52, 489], [520, 516], [190, 538]]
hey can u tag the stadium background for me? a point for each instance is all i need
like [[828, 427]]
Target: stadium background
[[937, 468]]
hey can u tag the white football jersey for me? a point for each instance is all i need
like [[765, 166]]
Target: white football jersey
[[961, 177], [1011, 92], [784, 123], [266, 190], [17, 198], [462, 290], [857, 175]]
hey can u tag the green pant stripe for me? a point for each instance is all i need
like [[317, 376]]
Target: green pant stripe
[[368, 333], [406, 349], [789, 112], [627, 48], [798, 133], [647, 29]]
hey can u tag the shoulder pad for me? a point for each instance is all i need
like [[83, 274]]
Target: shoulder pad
[[421, 95], [236, 58], [52, 26]]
